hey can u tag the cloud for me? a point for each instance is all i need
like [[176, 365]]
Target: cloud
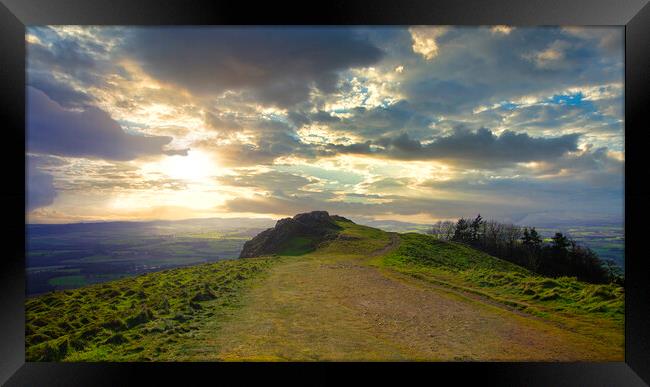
[[597, 167], [277, 65], [501, 29], [387, 184], [382, 120], [272, 181], [306, 118], [424, 40], [40, 186], [471, 148], [551, 57], [66, 55], [608, 38], [60, 92], [268, 140], [88, 133], [475, 67], [62, 64], [222, 122], [372, 205]]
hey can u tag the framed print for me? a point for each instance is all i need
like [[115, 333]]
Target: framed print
[[390, 191]]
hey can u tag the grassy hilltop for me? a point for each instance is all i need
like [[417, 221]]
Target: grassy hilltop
[[361, 294]]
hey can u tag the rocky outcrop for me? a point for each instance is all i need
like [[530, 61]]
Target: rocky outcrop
[[315, 226]]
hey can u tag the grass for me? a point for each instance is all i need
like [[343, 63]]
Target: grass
[[355, 239], [137, 318], [424, 250], [298, 246], [597, 310]]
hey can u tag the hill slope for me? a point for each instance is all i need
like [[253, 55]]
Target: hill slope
[[293, 236], [358, 294]]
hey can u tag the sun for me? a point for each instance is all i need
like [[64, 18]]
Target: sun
[[195, 166]]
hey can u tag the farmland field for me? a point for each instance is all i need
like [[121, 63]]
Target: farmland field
[[68, 256]]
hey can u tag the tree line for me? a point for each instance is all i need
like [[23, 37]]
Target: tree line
[[525, 247]]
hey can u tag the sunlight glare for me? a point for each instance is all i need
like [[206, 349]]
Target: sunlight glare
[[195, 166]]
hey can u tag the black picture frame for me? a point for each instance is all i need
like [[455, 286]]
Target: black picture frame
[[16, 14]]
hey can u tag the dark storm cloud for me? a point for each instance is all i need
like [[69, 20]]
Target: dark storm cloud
[[278, 65], [88, 133], [471, 147]]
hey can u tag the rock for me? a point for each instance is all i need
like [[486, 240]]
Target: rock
[[317, 226]]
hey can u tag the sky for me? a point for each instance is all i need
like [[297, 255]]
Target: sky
[[417, 124]]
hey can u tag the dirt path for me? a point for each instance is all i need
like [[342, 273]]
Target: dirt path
[[338, 308]]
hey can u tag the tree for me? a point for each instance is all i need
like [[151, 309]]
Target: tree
[[462, 231], [526, 238], [560, 242], [449, 229], [614, 272], [476, 226], [442, 230], [535, 239], [525, 247]]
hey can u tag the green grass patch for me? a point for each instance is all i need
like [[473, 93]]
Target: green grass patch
[[298, 246], [355, 239], [421, 249], [137, 318], [592, 309]]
